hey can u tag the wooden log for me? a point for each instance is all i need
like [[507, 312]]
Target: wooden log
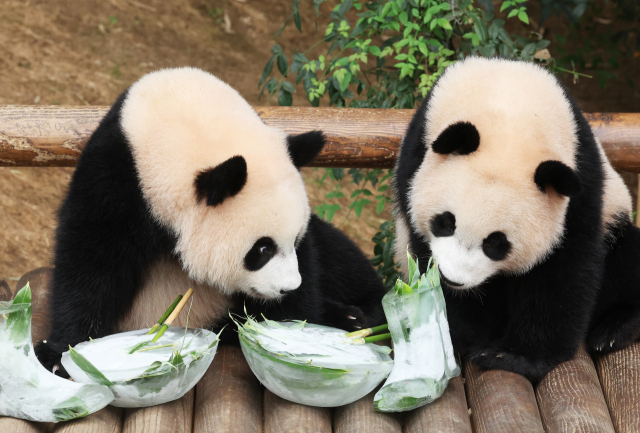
[[281, 415], [619, 374], [571, 400], [228, 397], [173, 417], [448, 414], [107, 420], [55, 136], [5, 291], [359, 417], [39, 280], [501, 402], [13, 425]]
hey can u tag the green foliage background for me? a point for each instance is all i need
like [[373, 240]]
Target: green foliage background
[[388, 54]]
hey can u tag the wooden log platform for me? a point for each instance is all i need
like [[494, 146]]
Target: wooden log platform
[[365, 138], [582, 395]]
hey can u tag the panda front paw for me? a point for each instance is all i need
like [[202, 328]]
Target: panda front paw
[[496, 358], [347, 317], [50, 359], [612, 334]]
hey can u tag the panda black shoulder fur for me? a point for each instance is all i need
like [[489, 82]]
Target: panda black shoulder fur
[[182, 185], [501, 179]]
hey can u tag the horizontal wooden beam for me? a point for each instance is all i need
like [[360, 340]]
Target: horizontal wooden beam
[[55, 136]]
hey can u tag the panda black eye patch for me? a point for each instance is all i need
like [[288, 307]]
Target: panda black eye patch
[[259, 255], [443, 225], [496, 246]]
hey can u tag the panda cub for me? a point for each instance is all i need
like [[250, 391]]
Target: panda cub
[[500, 178], [182, 185]]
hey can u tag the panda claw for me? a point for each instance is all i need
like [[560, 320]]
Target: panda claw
[[611, 344], [351, 317]]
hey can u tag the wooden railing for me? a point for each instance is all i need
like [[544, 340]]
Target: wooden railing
[[55, 136]]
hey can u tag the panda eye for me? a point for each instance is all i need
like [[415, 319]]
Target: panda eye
[[496, 246], [259, 255]]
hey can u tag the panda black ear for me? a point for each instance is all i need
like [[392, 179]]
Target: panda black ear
[[556, 174], [304, 147], [222, 181], [460, 137]]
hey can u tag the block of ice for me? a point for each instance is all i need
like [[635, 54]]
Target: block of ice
[[423, 353], [312, 364], [141, 373], [27, 390]]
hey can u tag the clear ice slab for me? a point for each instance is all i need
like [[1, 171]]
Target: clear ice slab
[[312, 364], [423, 352], [27, 390]]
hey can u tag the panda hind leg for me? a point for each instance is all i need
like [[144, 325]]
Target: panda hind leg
[[616, 319]]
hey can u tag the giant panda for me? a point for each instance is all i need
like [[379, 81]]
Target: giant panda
[[182, 185], [500, 178]]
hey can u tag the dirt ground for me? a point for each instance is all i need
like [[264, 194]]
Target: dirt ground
[[69, 52]]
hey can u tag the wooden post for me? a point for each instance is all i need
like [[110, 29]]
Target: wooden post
[[359, 417], [228, 397], [571, 400], [107, 420], [172, 417], [620, 378], [448, 414], [55, 136], [501, 402], [281, 415]]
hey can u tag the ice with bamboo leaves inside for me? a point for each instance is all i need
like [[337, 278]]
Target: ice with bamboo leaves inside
[[27, 390], [312, 364], [140, 370], [423, 352]]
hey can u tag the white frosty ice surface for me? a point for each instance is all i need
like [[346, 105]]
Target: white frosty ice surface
[[27, 390], [423, 353], [312, 364], [134, 383]]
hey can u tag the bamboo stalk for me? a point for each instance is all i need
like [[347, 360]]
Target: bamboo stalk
[[368, 331], [173, 315], [164, 316]]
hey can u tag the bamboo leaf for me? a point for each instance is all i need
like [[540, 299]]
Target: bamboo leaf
[[88, 367]]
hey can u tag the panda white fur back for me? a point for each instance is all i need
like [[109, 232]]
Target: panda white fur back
[[501, 180], [182, 185]]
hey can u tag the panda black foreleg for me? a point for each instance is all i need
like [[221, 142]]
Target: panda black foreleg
[[548, 316], [616, 319]]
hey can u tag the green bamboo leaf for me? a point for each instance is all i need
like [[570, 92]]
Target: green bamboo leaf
[[88, 367], [285, 99], [283, 64]]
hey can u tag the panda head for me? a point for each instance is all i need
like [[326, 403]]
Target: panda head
[[491, 194], [226, 185]]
